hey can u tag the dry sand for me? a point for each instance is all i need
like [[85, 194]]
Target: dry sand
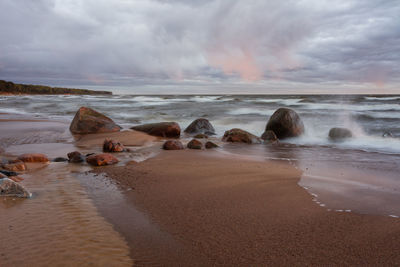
[[227, 211]]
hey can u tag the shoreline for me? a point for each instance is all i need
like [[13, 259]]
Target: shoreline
[[198, 207], [251, 213]]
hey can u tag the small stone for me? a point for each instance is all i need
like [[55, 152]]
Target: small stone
[[269, 137], [112, 146], [16, 166], [75, 157], [195, 144], [173, 145], [210, 145], [102, 159], [60, 159], [12, 189], [34, 158]]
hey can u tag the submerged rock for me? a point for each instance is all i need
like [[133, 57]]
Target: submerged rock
[[195, 144], [112, 146], [60, 159], [240, 136], [387, 135], [200, 136], [15, 166], [269, 137], [34, 158], [200, 126], [210, 145], [173, 145], [88, 121], [340, 133], [12, 189], [75, 157], [285, 123], [102, 159], [162, 129]]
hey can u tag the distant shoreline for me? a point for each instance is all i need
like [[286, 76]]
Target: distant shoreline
[[10, 88]]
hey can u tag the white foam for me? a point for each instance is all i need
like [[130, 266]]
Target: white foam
[[248, 111], [382, 98]]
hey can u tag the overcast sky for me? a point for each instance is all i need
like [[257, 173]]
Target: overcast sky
[[203, 46]]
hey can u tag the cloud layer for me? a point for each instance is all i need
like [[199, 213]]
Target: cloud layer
[[295, 44]]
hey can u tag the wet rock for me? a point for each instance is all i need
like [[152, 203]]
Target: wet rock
[[173, 145], [162, 129], [15, 166], [210, 145], [101, 159], [3, 175], [202, 126], [285, 123], [200, 136], [8, 173], [339, 133], [34, 158], [16, 178], [269, 137], [75, 157], [60, 159], [112, 146], [88, 121], [240, 136], [195, 144], [12, 189]]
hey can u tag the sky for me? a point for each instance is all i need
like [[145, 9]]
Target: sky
[[203, 46]]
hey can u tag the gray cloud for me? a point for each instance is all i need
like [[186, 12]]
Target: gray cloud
[[265, 44]]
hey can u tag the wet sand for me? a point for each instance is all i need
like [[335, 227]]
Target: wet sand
[[238, 212]]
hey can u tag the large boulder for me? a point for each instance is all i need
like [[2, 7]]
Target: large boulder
[[88, 121], [240, 136], [9, 188], [173, 145], [340, 133], [110, 145], [34, 158], [101, 159], [195, 144], [285, 123], [162, 129], [200, 126]]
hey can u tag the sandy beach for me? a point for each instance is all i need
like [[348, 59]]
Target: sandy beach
[[174, 208]]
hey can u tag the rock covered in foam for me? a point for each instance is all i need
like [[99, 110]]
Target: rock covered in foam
[[340, 133], [269, 137], [13, 189]]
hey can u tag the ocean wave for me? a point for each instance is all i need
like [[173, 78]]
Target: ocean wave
[[249, 111], [388, 98]]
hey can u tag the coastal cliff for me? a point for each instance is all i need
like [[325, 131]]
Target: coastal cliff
[[22, 89]]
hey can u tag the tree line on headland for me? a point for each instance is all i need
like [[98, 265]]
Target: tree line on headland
[[21, 89]]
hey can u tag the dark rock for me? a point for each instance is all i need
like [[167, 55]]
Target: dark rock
[[75, 157], [34, 158], [87, 121], [269, 137], [210, 145], [387, 135], [89, 154], [8, 173], [173, 145], [3, 175], [112, 146], [12, 189], [162, 129], [101, 159], [240, 136], [285, 123], [195, 144], [60, 159], [200, 136], [339, 133], [202, 126]]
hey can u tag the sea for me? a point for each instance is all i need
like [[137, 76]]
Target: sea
[[360, 174]]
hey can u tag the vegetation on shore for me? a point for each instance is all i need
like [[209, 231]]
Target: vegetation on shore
[[21, 89]]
